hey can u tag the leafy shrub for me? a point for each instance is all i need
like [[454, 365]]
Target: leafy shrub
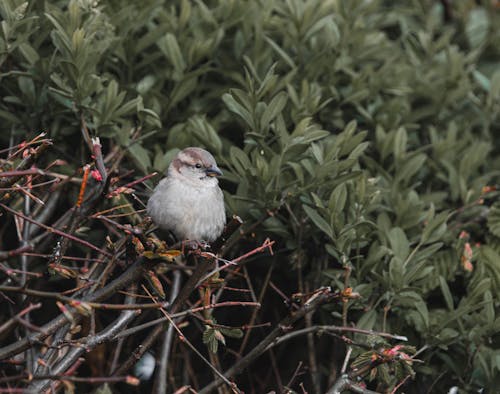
[[358, 135]]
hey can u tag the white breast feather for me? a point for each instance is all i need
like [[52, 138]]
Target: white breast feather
[[195, 213]]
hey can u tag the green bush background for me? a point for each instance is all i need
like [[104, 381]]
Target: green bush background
[[354, 133]]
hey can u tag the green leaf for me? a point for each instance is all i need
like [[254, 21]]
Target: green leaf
[[367, 320], [29, 53], [239, 160], [478, 289], [415, 301], [61, 34], [210, 339], [396, 273], [185, 12], [308, 138], [127, 108], [318, 220], [482, 80], [273, 109], [494, 93], [477, 26], [400, 142], [297, 168], [489, 308], [424, 312], [338, 198], [9, 117], [491, 258], [141, 156], [494, 219], [358, 150], [446, 293], [348, 141], [150, 116], [280, 52], [238, 109], [104, 389], [232, 332], [27, 86], [435, 228], [173, 52], [183, 89], [410, 167], [425, 253], [399, 243]]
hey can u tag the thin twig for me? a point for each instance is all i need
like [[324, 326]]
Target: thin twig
[[320, 329], [13, 320], [91, 380], [324, 297], [161, 374], [86, 344], [80, 303], [254, 313], [344, 383], [129, 276], [56, 231], [346, 360], [183, 339], [160, 320]]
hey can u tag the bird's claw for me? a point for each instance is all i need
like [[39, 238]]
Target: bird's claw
[[191, 245]]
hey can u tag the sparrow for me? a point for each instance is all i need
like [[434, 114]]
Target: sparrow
[[189, 201]]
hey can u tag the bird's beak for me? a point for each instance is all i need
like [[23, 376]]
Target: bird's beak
[[213, 171]]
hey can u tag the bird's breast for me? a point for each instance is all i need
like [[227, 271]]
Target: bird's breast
[[191, 212]]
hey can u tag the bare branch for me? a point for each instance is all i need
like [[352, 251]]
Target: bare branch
[[324, 297]]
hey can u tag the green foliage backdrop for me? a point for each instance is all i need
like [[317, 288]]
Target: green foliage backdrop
[[359, 135]]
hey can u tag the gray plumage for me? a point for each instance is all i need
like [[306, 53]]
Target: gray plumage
[[189, 201]]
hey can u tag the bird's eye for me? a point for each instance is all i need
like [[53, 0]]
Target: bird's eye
[[198, 165]]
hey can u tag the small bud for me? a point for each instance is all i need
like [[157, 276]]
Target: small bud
[[76, 329], [347, 292], [169, 255], [155, 283], [82, 307], [96, 175], [65, 311], [488, 189], [139, 247], [62, 271], [132, 380], [393, 351], [466, 258], [467, 264], [467, 251], [218, 335]]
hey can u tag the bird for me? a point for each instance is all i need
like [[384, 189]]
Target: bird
[[188, 201]]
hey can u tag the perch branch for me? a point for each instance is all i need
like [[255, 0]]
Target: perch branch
[[323, 297]]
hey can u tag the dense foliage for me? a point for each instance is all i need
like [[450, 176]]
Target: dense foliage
[[360, 136]]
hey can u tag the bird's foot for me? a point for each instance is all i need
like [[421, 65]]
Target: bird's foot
[[191, 245]]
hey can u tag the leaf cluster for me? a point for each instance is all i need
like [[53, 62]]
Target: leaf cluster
[[360, 135]]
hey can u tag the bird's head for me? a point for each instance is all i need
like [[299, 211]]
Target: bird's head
[[195, 165]]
